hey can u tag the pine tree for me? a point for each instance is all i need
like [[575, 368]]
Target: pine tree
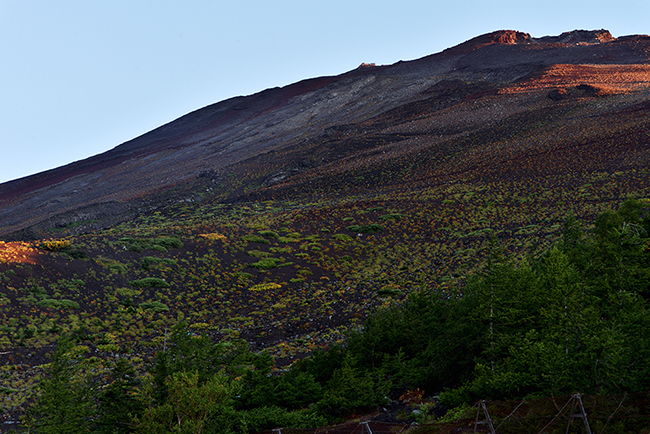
[[66, 401]]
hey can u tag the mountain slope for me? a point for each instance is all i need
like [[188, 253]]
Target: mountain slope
[[284, 218], [325, 124]]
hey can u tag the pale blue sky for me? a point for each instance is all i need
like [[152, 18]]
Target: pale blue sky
[[78, 78]]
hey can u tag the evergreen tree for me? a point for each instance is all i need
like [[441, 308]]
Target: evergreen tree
[[120, 401], [65, 404]]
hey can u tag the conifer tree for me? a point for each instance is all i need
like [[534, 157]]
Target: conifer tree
[[65, 404]]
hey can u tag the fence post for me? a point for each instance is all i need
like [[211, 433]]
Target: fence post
[[366, 428], [488, 419], [582, 415]]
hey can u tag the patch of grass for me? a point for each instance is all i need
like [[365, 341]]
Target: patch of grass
[[366, 229], [138, 245], [281, 249], [252, 238], [169, 242], [214, 236], [153, 306], [343, 237], [269, 234], [150, 282], [243, 275], [148, 261], [265, 286], [114, 266], [394, 216], [55, 245], [287, 240], [58, 304], [127, 292], [259, 254], [266, 263]]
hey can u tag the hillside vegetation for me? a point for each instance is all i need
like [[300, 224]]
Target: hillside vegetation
[[572, 317]]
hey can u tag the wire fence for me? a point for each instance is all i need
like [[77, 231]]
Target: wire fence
[[569, 414]]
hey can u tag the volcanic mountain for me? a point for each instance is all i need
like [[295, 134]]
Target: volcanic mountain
[[280, 221], [503, 102]]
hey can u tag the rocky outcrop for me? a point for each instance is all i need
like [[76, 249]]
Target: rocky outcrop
[[579, 36]]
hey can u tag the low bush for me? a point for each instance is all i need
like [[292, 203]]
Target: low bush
[[58, 304], [150, 282], [269, 234], [259, 254], [148, 261], [154, 306], [266, 263], [252, 238], [388, 292], [366, 229], [138, 245], [55, 245], [169, 242], [265, 286]]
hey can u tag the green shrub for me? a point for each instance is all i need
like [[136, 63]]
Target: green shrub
[[58, 304], [154, 306], [259, 254], [267, 418], [252, 238], [265, 286], [128, 292], [266, 263], [133, 244], [388, 292], [76, 254], [38, 291], [138, 245], [366, 229], [55, 245], [243, 275], [269, 234], [148, 261], [169, 242], [281, 249], [343, 237], [150, 282]]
